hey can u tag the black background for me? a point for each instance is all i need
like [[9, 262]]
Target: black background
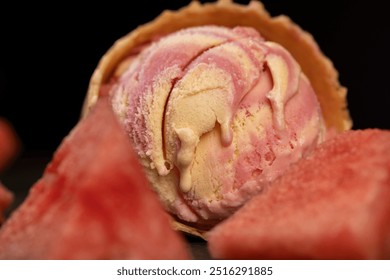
[[48, 53]]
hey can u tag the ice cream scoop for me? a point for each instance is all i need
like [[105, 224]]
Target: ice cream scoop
[[219, 106], [215, 114]]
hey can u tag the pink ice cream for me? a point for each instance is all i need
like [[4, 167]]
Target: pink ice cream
[[215, 114]]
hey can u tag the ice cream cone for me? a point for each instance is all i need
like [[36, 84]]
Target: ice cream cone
[[315, 65]]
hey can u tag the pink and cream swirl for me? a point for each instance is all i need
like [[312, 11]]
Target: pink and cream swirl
[[215, 114]]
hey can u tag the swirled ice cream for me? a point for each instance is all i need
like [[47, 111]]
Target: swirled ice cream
[[215, 114]]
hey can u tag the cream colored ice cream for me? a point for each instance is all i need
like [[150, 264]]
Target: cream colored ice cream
[[215, 114]]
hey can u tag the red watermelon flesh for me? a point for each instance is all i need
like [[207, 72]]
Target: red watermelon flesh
[[333, 205], [93, 202], [9, 144], [6, 198]]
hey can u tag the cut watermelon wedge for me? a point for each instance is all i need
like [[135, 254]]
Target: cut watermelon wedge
[[93, 202], [6, 198], [333, 205], [9, 144]]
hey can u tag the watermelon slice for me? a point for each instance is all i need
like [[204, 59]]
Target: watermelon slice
[[93, 202], [9, 144], [6, 198], [333, 205]]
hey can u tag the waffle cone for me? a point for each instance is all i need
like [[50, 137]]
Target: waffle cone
[[316, 66]]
